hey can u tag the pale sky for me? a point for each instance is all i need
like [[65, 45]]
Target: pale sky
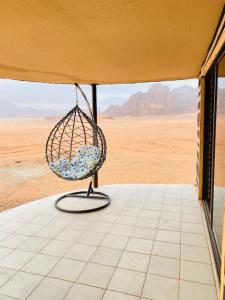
[[62, 96]]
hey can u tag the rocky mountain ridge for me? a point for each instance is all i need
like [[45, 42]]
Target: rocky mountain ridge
[[158, 100], [161, 100]]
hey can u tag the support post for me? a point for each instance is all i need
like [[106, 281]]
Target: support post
[[200, 137], [94, 110]]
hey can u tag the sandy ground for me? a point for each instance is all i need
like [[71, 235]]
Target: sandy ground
[[140, 150]]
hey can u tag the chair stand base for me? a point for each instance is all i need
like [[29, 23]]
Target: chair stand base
[[90, 194]]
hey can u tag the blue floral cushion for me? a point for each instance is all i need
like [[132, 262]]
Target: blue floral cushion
[[85, 160]]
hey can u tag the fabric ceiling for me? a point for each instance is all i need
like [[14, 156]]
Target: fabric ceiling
[[113, 41]]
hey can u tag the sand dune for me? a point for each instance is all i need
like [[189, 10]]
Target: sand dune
[[140, 150]]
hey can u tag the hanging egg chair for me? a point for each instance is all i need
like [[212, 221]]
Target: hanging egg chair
[[76, 150]]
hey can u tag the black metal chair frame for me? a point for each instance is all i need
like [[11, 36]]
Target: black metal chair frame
[[60, 142], [90, 194]]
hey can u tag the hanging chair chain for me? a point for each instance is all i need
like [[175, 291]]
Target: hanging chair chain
[[76, 96], [85, 98], [95, 139]]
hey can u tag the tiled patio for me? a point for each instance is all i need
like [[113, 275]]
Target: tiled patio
[[149, 243]]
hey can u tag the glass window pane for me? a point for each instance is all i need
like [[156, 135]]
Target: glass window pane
[[219, 175]]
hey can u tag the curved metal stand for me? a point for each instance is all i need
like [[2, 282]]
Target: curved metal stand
[[90, 194]]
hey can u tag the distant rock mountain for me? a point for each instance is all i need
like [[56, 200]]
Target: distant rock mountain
[[12, 110], [158, 100]]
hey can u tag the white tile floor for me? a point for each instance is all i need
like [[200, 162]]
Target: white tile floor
[[149, 243]]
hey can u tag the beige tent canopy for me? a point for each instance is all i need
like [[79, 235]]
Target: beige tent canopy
[[113, 41]]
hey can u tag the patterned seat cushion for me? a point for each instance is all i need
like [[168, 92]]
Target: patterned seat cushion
[[85, 160]]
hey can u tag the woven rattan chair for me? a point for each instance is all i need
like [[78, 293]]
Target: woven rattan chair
[[76, 150]]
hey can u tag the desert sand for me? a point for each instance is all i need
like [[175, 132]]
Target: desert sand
[[151, 149]]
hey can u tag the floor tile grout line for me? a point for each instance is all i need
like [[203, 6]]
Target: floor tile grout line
[[89, 262], [15, 275], [146, 274], [32, 258], [20, 270], [94, 231], [53, 267], [122, 235], [130, 236], [124, 249], [63, 257], [10, 297]]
